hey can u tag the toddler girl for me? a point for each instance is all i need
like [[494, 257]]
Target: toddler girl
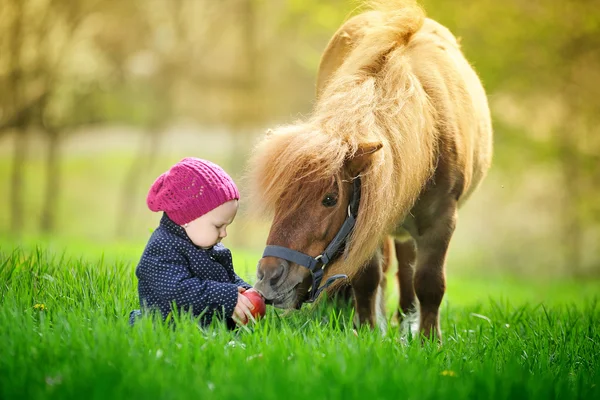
[[184, 262]]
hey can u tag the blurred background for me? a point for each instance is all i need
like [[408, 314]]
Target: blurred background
[[98, 97]]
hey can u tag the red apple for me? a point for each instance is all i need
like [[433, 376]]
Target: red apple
[[257, 300]]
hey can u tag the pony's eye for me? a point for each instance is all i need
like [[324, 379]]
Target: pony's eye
[[329, 200]]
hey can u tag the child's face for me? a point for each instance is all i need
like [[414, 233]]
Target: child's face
[[211, 228]]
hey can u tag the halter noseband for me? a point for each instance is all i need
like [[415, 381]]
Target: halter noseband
[[316, 265]]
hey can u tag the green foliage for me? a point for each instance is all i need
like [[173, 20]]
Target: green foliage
[[64, 333]]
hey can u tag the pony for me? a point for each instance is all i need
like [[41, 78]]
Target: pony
[[400, 108]]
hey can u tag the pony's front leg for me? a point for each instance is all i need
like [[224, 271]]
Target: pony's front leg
[[368, 295], [430, 279], [406, 254]]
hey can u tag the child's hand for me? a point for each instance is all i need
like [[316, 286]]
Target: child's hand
[[242, 312]]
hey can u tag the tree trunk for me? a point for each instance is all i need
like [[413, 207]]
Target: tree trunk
[[130, 192], [571, 222], [49, 206], [16, 183], [249, 106], [15, 91]]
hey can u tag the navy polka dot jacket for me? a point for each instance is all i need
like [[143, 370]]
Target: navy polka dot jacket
[[173, 269]]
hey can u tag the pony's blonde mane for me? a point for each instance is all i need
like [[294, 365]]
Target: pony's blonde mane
[[373, 97]]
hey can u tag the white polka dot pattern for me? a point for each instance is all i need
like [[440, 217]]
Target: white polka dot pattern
[[173, 270]]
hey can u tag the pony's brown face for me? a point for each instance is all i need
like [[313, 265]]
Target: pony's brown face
[[308, 225], [307, 218]]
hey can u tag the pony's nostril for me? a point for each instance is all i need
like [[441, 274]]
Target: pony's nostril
[[260, 274], [277, 275]]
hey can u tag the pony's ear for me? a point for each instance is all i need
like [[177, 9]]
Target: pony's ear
[[359, 161]]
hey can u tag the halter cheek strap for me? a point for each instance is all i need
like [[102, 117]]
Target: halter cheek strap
[[316, 265]]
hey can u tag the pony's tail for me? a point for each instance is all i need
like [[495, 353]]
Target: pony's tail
[[398, 21]]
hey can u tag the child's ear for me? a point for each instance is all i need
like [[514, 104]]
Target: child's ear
[[362, 157]]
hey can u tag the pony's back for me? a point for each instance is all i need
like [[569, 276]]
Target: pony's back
[[457, 94]]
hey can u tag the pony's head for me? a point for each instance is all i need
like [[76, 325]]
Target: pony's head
[[308, 187]]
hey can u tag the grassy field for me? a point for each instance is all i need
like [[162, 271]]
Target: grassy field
[[64, 334]]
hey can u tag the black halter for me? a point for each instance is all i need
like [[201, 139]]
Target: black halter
[[317, 265]]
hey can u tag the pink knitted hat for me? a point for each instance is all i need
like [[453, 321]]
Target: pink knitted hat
[[190, 189]]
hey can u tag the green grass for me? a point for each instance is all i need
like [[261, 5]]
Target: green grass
[[81, 346]]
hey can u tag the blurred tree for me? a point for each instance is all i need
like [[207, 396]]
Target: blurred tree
[[242, 65], [161, 57], [247, 103], [140, 89], [36, 51], [18, 107], [56, 32], [545, 57]]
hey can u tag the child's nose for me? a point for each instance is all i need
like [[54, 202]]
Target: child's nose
[[223, 233]]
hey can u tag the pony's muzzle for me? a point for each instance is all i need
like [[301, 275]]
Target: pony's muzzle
[[271, 272]]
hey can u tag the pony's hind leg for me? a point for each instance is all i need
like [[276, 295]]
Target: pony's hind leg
[[368, 296], [430, 280], [406, 255]]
